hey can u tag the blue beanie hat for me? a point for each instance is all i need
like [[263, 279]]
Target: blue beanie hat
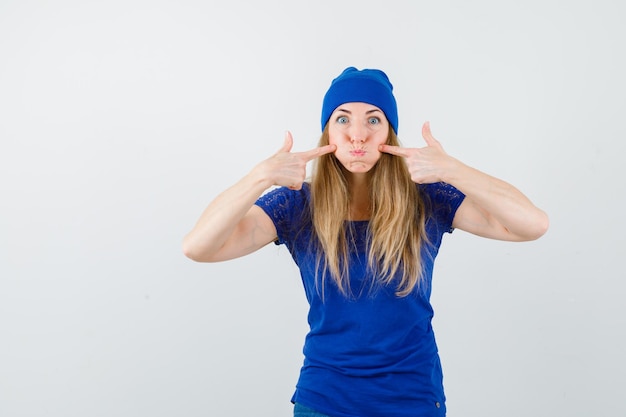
[[369, 86]]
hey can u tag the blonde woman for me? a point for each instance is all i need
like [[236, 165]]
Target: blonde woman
[[364, 233]]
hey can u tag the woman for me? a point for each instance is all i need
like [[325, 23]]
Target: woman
[[364, 233]]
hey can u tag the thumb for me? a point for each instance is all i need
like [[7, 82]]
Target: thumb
[[428, 136], [287, 144]]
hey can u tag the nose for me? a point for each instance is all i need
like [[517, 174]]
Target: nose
[[358, 133]]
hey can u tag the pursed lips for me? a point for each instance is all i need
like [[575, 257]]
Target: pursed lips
[[357, 152]]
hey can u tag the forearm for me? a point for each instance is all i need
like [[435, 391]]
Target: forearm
[[501, 203], [222, 215], [229, 227]]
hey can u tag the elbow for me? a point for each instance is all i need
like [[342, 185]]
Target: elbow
[[545, 224], [191, 251], [540, 226]]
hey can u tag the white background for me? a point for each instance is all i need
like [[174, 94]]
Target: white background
[[120, 121]]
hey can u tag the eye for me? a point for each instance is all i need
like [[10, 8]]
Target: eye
[[373, 120], [342, 120]]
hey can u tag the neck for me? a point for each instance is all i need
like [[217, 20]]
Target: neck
[[359, 197]]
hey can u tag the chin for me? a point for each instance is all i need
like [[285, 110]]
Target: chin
[[359, 167]]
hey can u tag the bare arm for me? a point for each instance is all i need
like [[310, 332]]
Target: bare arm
[[232, 226], [492, 208], [495, 209]]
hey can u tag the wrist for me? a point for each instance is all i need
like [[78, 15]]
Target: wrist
[[453, 172], [260, 177]]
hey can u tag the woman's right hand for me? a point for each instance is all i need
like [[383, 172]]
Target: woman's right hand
[[288, 169], [231, 225]]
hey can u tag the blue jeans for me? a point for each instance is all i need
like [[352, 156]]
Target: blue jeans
[[301, 411]]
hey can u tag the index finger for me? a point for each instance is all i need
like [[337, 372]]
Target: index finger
[[394, 150], [317, 152]]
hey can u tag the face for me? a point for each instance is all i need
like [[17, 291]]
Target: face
[[357, 129]]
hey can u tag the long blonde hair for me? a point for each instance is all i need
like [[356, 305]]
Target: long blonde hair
[[396, 228]]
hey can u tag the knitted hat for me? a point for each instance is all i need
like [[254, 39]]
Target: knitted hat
[[369, 86]]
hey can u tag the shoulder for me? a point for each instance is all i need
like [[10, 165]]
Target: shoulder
[[284, 195], [288, 209], [440, 192], [284, 204], [441, 202]]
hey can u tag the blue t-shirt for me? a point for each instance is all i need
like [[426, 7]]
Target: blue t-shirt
[[371, 353]]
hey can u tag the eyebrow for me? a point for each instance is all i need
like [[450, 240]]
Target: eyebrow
[[367, 112]]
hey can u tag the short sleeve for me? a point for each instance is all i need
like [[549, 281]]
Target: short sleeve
[[442, 201], [286, 208]]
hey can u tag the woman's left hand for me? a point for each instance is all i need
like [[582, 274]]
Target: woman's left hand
[[491, 208], [426, 165]]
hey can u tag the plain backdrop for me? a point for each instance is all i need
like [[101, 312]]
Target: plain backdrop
[[121, 120]]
